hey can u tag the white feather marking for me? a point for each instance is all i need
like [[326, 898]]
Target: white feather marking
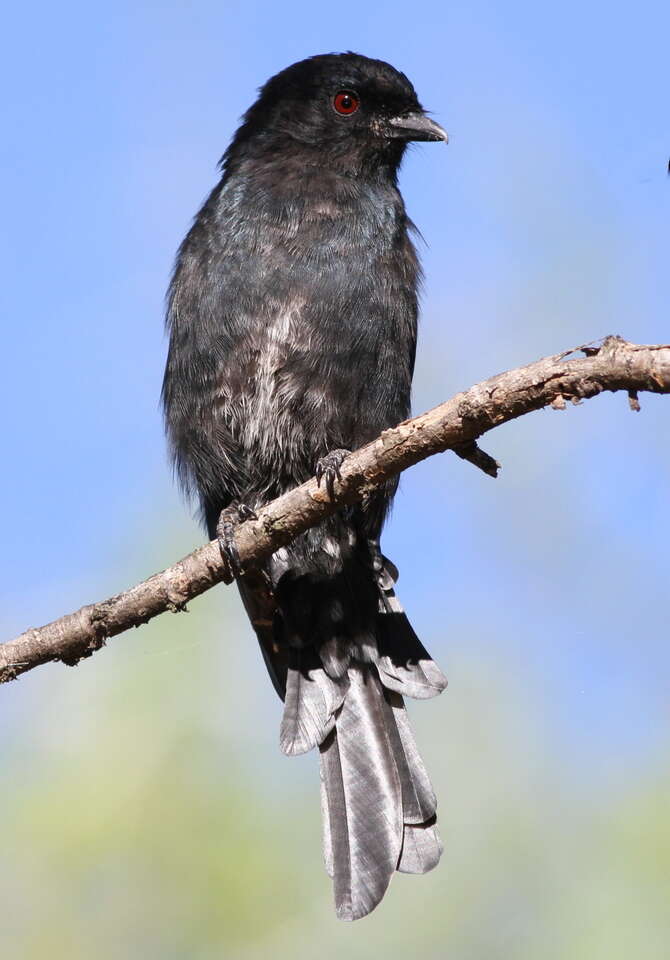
[[273, 426]]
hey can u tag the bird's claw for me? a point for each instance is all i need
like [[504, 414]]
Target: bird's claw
[[245, 512], [328, 469], [229, 518]]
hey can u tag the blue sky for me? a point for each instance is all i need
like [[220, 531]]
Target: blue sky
[[545, 224]]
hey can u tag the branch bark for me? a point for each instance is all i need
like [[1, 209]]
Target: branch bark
[[576, 375]]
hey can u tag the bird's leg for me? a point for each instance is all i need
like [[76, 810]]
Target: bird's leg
[[328, 468], [229, 518]]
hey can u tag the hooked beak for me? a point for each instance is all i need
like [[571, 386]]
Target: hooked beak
[[415, 126]]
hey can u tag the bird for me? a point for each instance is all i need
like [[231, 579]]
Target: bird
[[292, 324]]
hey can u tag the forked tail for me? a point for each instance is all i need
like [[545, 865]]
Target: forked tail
[[346, 697], [377, 803]]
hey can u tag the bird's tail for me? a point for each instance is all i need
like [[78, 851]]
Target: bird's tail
[[378, 804]]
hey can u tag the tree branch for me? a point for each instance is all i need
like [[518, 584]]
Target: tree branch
[[610, 365]]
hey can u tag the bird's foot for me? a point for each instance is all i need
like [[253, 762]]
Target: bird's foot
[[229, 519], [328, 469]]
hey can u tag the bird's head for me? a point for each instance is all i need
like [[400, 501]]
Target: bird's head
[[342, 109]]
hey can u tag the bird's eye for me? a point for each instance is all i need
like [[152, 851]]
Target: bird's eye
[[345, 102]]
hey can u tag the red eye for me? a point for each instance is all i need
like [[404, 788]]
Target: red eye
[[346, 102]]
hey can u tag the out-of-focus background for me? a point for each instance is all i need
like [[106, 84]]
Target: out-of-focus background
[[146, 811]]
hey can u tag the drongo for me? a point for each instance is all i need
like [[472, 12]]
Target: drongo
[[292, 317]]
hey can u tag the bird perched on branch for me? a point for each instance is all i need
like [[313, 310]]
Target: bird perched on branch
[[292, 315]]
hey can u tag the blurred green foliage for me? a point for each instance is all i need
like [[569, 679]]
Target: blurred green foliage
[[147, 813]]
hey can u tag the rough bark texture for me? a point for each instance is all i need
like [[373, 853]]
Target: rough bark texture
[[610, 365]]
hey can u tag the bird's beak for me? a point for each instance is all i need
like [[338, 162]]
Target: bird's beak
[[415, 126]]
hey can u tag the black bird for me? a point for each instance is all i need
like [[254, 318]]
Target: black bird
[[292, 315]]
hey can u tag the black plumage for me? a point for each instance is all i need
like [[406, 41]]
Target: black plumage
[[292, 316]]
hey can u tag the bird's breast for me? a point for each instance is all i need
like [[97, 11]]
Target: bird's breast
[[318, 321]]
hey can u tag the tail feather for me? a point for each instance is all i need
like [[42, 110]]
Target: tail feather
[[419, 802], [421, 848], [311, 701], [404, 664], [419, 678], [363, 798], [342, 654], [336, 788]]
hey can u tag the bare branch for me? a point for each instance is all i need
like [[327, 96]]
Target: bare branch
[[610, 365]]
